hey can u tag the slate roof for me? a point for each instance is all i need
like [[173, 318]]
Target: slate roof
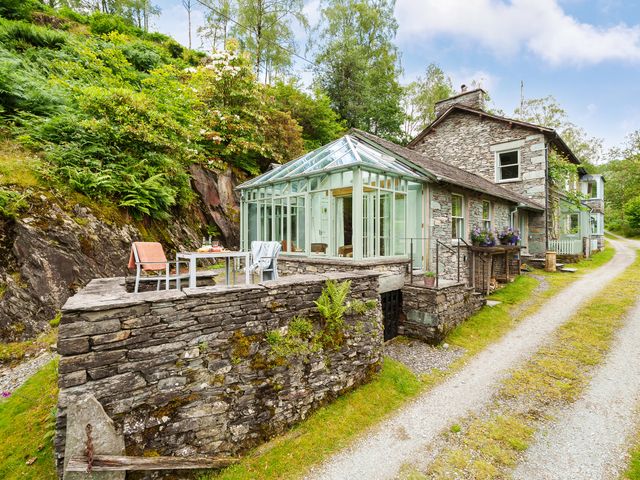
[[444, 172], [554, 137]]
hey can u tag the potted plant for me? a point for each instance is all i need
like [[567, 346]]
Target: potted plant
[[509, 236], [429, 279], [482, 237]]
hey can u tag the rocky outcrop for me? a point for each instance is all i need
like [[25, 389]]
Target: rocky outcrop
[[54, 249]]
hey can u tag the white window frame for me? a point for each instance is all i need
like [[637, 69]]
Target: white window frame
[[499, 168], [461, 219], [487, 223]]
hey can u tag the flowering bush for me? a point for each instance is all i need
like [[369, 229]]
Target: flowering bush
[[509, 236], [483, 237]]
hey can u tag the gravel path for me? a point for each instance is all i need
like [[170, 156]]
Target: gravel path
[[382, 451], [421, 357], [12, 378], [588, 440]]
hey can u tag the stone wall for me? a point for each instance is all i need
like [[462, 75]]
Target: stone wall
[[191, 372], [441, 226], [429, 313], [393, 270]]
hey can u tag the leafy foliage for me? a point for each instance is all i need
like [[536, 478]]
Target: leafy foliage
[[622, 173], [332, 305], [359, 64], [11, 203], [420, 97], [119, 114]]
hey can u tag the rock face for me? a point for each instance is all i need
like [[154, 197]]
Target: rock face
[[49, 254]]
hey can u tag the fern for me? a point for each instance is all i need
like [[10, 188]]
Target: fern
[[332, 305]]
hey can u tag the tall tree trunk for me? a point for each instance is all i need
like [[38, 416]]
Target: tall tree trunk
[[189, 18]]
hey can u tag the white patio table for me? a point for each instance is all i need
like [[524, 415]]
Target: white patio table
[[228, 256]]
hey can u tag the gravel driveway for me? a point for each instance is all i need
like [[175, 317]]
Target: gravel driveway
[[589, 439], [381, 452]]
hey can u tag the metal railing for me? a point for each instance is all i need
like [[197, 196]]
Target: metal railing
[[455, 251]]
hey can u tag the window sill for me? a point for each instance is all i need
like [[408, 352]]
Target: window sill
[[511, 180]]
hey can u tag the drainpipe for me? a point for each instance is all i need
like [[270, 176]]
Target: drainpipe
[[546, 196], [512, 216]]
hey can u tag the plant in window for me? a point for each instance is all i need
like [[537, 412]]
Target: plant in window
[[509, 236], [483, 237]]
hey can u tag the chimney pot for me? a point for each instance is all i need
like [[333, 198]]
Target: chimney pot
[[463, 88]]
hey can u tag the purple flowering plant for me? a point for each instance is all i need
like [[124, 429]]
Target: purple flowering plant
[[509, 236], [483, 237]]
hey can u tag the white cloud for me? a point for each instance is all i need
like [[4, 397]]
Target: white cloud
[[507, 28]]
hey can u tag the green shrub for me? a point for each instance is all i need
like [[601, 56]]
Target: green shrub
[[70, 14], [103, 23], [11, 203], [142, 57], [16, 33], [332, 305], [19, 9], [632, 212]]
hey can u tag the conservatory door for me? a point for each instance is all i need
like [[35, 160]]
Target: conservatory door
[[368, 224], [344, 225]]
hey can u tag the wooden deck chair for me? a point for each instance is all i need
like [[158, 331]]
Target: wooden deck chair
[[149, 258]]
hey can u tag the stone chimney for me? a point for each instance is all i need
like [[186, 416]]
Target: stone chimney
[[470, 98]]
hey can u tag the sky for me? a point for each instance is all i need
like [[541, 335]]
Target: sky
[[586, 53]]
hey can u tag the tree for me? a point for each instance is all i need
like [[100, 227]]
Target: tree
[[358, 64], [548, 112], [622, 173], [632, 212], [264, 30], [216, 27], [187, 6], [420, 97], [320, 124]]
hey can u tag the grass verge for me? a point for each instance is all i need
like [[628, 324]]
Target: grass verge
[[27, 421], [12, 353], [489, 445]]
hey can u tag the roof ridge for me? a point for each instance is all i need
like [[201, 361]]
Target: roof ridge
[[500, 191]]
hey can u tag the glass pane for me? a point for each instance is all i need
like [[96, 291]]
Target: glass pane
[[252, 222], [508, 173], [344, 225], [508, 158], [319, 228], [384, 224], [400, 222], [486, 210], [297, 225], [368, 222], [456, 206]]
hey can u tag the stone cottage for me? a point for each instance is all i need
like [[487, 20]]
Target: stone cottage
[[520, 157]]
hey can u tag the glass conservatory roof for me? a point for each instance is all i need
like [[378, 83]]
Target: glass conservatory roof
[[348, 151]]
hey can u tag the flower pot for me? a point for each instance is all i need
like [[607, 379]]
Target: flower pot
[[429, 281]]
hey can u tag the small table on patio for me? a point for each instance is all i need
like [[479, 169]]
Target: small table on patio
[[228, 256]]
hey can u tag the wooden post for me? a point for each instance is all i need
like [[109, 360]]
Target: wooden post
[[550, 261]]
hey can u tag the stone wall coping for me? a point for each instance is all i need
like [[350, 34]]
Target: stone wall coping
[[345, 261], [438, 288], [108, 293]]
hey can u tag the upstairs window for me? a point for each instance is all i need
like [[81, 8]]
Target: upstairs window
[[508, 166], [486, 215], [592, 189], [457, 216]]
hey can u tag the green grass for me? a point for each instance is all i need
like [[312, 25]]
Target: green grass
[[27, 420], [329, 429], [14, 352], [554, 376]]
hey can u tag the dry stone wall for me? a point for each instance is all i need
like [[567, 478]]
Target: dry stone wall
[[193, 372], [429, 313]]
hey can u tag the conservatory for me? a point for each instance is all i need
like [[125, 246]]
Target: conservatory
[[349, 199]]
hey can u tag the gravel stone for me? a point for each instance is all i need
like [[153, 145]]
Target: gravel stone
[[421, 357], [12, 378]]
